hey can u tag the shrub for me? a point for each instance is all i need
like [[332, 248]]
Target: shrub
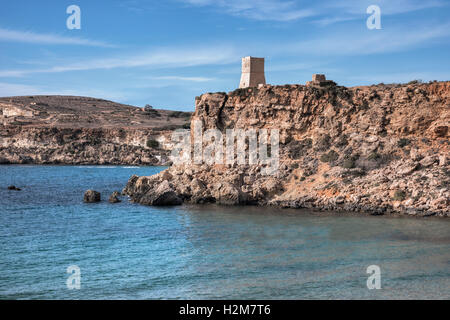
[[178, 114], [151, 143], [403, 142], [446, 172], [354, 173], [399, 195], [342, 141], [297, 148], [169, 127], [348, 163], [347, 181], [152, 112], [330, 156], [187, 125], [323, 143]]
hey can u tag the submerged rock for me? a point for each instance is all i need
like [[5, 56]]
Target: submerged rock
[[91, 196]]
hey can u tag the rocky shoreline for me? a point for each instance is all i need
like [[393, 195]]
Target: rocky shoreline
[[377, 149], [84, 131], [81, 146]]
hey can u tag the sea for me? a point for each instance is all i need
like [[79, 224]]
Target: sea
[[54, 246]]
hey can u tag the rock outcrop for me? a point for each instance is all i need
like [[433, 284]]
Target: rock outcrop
[[113, 198], [378, 149], [91, 196]]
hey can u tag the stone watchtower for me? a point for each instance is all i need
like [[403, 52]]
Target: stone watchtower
[[252, 72]]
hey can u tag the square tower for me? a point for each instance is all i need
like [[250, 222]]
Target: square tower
[[252, 72]]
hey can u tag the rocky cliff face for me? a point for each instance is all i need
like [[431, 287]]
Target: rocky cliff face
[[378, 149], [80, 130]]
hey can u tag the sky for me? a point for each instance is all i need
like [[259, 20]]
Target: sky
[[165, 53]]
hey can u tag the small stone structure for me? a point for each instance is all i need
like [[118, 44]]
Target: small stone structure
[[320, 80], [252, 72]]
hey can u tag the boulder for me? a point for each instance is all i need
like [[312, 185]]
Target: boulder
[[197, 186], [428, 161], [163, 195], [441, 131], [443, 160], [91, 196], [113, 198], [228, 194], [116, 194], [408, 168]]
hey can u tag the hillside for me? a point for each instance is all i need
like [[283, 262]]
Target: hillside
[[83, 130]]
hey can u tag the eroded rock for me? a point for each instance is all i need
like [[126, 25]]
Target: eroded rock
[[91, 196], [382, 139]]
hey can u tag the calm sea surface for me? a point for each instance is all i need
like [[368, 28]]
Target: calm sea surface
[[128, 251]]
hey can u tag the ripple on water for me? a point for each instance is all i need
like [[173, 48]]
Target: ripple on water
[[204, 252]]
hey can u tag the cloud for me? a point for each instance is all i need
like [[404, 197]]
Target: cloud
[[275, 10], [51, 39], [388, 7], [159, 58], [326, 11], [370, 42], [180, 78], [327, 21], [341, 11]]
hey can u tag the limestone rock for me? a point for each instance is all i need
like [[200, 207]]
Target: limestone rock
[[428, 161], [162, 195], [114, 197]]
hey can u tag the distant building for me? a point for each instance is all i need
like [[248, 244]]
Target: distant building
[[252, 72]]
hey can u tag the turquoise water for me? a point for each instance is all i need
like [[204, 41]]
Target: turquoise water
[[128, 251]]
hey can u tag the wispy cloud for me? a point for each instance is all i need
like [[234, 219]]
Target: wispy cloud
[[275, 10], [159, 58], [51, 39], [341, 11], [387, 6], [181, 78], [326, 11], [382, 41]]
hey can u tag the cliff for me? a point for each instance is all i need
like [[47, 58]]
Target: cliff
[[82, 130], [378, 149]]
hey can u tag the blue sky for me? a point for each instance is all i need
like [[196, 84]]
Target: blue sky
[[167, 52]]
